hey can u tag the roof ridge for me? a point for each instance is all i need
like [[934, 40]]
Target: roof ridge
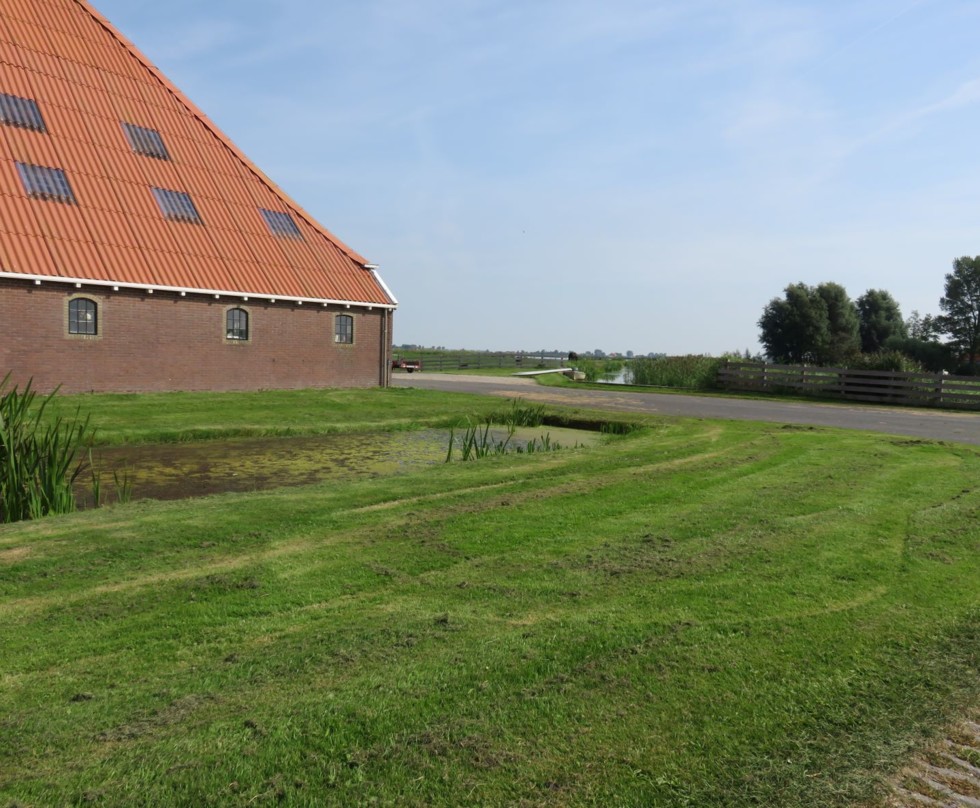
[[216, 131]]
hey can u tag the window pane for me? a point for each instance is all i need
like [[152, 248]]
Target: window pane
[[82, 316], [281, 224], [344, 328], [23, 112], [45, 183], [176, 205], [145, 141], [236, 324]]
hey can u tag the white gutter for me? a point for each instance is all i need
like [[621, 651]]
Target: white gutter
[[373, 269], [183, 291]]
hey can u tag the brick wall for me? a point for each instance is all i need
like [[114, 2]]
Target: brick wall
[[164, 342]]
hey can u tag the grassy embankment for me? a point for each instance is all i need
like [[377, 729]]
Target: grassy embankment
[[701, 613], [176, 417]]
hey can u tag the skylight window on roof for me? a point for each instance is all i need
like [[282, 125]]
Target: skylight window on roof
[[45, 183], [22, 112], [177, 205], [281, 224], [147, 142]]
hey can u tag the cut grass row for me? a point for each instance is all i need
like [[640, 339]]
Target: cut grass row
[[698, 614]]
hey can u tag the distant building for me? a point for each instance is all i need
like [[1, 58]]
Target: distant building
[[141, 250]]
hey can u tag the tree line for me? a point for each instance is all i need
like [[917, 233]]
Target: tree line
[[821, 325]]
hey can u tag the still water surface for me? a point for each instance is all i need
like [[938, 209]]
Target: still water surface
[[181, 470]]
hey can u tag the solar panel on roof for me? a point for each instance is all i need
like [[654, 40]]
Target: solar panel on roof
[[22, 112], [145, 141], [45, 183], [177, 205], [281, 224]]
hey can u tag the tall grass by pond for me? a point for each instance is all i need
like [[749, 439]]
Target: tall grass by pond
[[520, 414], [596, 369], [39, 459], [480, 441], [688, 372], [121, 479], [477, 441]]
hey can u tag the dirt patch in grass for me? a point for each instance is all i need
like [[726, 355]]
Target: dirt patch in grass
[[14, 554], [946, 772], [177, 711], [651, 554]]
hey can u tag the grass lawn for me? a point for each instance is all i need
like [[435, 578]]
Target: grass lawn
[[173, 417], [700, 613]]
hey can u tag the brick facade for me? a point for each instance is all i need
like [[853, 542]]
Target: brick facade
[[162, 341]]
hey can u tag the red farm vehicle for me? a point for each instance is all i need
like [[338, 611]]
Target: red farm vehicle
[[408, 365]]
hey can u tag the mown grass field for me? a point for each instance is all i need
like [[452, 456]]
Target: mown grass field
[[700, 613], [174, 417]]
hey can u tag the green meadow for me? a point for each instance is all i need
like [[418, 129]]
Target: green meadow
[[119, 418], [698, 613]]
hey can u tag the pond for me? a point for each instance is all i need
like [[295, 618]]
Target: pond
[[182, 470], [619, 377]]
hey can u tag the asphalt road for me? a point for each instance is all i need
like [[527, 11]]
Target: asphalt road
[[959, 427]]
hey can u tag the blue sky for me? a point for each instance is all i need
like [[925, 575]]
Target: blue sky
[[626, 175]]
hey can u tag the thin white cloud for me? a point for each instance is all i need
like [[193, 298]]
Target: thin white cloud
[[966, 94]]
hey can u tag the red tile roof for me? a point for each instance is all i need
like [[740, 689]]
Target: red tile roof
[[88, 80]]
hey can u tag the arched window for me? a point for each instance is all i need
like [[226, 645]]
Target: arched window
[[236, 324], [83, 316], [343, 329]]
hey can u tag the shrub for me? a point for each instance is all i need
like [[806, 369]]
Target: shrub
[[932, 355], [887, 360]]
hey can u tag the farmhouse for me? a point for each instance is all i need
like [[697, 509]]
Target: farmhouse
[[140, 250]]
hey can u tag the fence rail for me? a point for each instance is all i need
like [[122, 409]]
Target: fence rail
[[922, 389]]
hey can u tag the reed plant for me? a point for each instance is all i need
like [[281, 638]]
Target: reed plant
[[476, 442], [542, 444], [596, 369], [124, 486], [122, 481], [38, 457], [687, 372]]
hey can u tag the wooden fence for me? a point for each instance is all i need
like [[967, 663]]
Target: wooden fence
[[921, 389]]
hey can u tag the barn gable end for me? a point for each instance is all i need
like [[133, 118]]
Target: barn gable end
[[116, 189]]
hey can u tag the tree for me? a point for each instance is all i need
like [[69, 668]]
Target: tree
[[961, 305], [922, 328], [792, 326], [843, 326], [923, 344], [814, 325], [880, 320]]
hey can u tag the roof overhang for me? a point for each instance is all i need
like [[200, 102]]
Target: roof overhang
[[214, 293], [373, 269]]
